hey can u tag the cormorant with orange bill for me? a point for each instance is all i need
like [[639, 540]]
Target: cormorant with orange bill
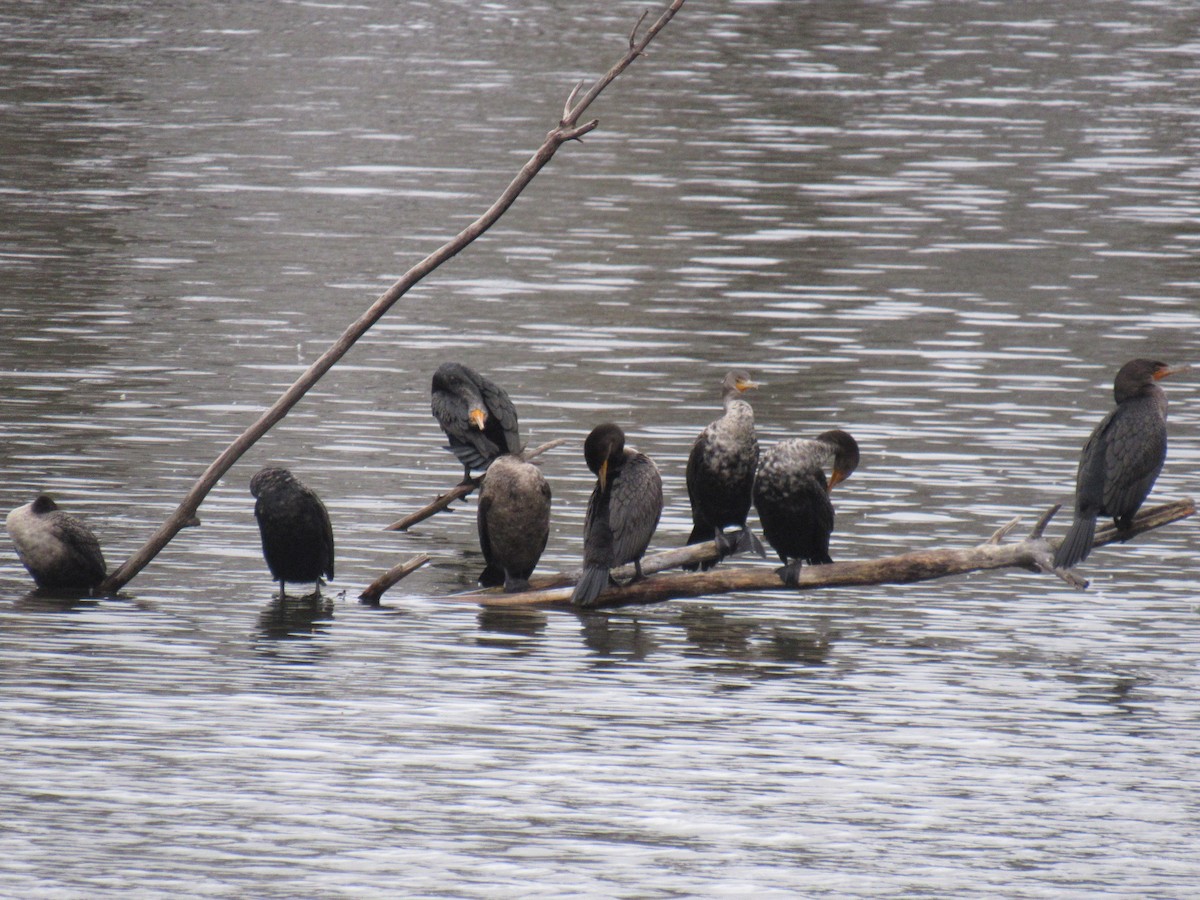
[[622, 513], [1121, 459], [476, 414], [791, 495]]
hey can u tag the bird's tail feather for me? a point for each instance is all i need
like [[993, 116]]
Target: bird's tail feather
[[1077, 543], [591, 584]]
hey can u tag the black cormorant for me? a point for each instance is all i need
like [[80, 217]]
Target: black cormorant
[[1121, 459], [59, 550], [476, 414], [791, 495], [514, 522], [720, 474], [621, 514], [297, 537]]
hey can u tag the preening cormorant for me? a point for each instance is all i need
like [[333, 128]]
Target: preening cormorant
[[297, 537], [1121, 458], [514, 522], [58, 550], [720, 474], [476, 414], [791, 495], [622, 512]]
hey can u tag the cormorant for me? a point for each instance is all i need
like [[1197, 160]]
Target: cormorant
[[297, 537], [621, 514], [792, 497], [59, 550], [514, 522], [1121, 458], [476, 414], [720, 474]]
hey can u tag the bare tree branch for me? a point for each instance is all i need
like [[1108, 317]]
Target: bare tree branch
[[376, 588], [1033, 553], [459, 491], [567, 130]]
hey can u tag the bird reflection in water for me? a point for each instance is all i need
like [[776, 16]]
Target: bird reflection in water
[[296, 617], [511, 627]]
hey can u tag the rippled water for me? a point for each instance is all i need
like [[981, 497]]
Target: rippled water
[[942, 226]]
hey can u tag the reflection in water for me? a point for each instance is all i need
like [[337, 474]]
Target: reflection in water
[[289, 617], [511, 621], [616, 638]]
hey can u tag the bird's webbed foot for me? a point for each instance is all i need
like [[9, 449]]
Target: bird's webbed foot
[[790, 574]]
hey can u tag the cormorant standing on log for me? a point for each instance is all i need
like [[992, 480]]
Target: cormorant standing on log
[[476, 414], [58, 550], [297, 537], [514, 522], [621, 514], [792, 497], [1121, 459], [720, 474]]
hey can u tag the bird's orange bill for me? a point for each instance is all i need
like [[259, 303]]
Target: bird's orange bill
[[746, 385], [838, 476], [1167, 371], [478, 418], [603, 475]]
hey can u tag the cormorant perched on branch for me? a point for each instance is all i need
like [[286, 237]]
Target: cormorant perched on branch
[[792, 497], [1121, 459], [720, 474], [58, 550], [513, 520], [622, 512], [476, 414], [297, 537]]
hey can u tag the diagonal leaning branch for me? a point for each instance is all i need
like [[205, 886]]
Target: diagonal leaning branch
[[1033, 553], [568, 129]]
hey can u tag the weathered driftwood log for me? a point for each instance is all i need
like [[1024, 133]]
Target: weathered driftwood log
[[568, 129], [376, 588], [1034, 553], [459, 491]]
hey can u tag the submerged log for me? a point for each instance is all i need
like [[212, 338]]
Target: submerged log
[[1034, 553]]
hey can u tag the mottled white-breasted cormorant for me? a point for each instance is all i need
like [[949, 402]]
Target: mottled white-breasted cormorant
[[791, 495], [59, 550], [622, 512], [720, 474]]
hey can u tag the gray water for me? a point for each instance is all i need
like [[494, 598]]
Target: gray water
[[942, 226]]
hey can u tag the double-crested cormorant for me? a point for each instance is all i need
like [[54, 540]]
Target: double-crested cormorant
[[720, 473], [792, 497], [476, 414], [1121, 459], [59, 550], [297, 538], [622, 512], [514, 522]]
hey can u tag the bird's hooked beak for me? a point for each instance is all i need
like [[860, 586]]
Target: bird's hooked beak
[[478, 418], [835, 478], [745, 384], [603, 476], [1167, 371]]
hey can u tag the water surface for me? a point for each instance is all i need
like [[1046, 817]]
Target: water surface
[[940, 226]]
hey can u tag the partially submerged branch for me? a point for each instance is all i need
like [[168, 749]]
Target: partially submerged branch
[[1033, 553], [376, 588], [567, 130]]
